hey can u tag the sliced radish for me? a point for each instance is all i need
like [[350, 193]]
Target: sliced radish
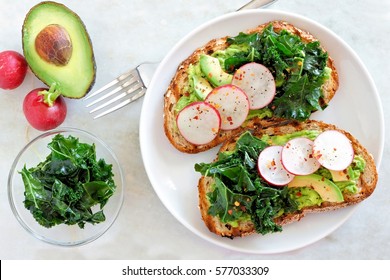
[[271, 168], [232, 105], [297, 156], [333, 150], [257, 82], [199, 123]]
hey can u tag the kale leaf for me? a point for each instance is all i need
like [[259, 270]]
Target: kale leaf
[[65, 187], [299, 69], [239, 192]]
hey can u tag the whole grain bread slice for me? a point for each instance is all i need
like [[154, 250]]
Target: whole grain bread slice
[[366, 183], [179, 83]]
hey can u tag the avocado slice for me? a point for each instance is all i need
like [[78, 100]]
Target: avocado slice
[[58, 49], [339, 176], [212, 69], [201, 87], [325, 188]]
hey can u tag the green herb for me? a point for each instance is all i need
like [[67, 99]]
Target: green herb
[[239, 193], [66, 187]]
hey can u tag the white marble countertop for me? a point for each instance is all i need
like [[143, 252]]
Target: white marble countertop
[[126, 33]]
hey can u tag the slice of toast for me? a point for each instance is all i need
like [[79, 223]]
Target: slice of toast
[[180, 81], [366, 183]]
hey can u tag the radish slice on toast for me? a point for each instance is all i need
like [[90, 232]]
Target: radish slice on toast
[[333, 150], [271, 168], [232, 105], [297, 156], [199, 123], [257, 82]]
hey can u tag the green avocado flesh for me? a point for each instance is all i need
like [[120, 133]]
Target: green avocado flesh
[[58, 28]]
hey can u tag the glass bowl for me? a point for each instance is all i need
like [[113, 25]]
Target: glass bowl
[[35, 152]]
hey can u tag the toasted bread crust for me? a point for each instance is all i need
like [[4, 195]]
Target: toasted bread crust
[[366, 183], [179, 82]]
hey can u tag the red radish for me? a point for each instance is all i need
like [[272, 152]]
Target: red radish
[[297, 156], [271, 168], [232, 105], [199, 122], [333, 150], [44, 109], [13, 69], [257, 82]]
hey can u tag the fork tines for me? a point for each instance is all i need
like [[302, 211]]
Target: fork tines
[[116, 94]]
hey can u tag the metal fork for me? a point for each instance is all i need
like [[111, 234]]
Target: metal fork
[[132, 85], [124, 90]]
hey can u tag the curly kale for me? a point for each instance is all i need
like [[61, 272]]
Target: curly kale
[[64, 188]]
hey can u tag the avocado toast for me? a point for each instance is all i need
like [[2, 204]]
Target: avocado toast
[[304, 80], [236, 198]]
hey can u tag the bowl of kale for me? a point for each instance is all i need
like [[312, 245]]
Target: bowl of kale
[[65, 187]]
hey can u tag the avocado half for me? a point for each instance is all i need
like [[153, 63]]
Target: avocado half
[[58, 49]]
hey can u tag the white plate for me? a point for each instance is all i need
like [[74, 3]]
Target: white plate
[[356, 108]]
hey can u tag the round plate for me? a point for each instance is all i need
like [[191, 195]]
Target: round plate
[[172, 172]]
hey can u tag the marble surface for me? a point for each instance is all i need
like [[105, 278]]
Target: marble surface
[[126, 33]]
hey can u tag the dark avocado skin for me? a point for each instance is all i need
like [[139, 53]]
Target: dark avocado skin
[[49, 77]]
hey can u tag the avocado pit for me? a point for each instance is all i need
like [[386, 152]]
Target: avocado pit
[[53, 45]]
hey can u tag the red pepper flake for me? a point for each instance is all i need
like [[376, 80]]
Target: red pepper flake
[[230, 211], [317, 155], [230, 120]]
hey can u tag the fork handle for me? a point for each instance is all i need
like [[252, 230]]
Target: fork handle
[[254, 4]]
